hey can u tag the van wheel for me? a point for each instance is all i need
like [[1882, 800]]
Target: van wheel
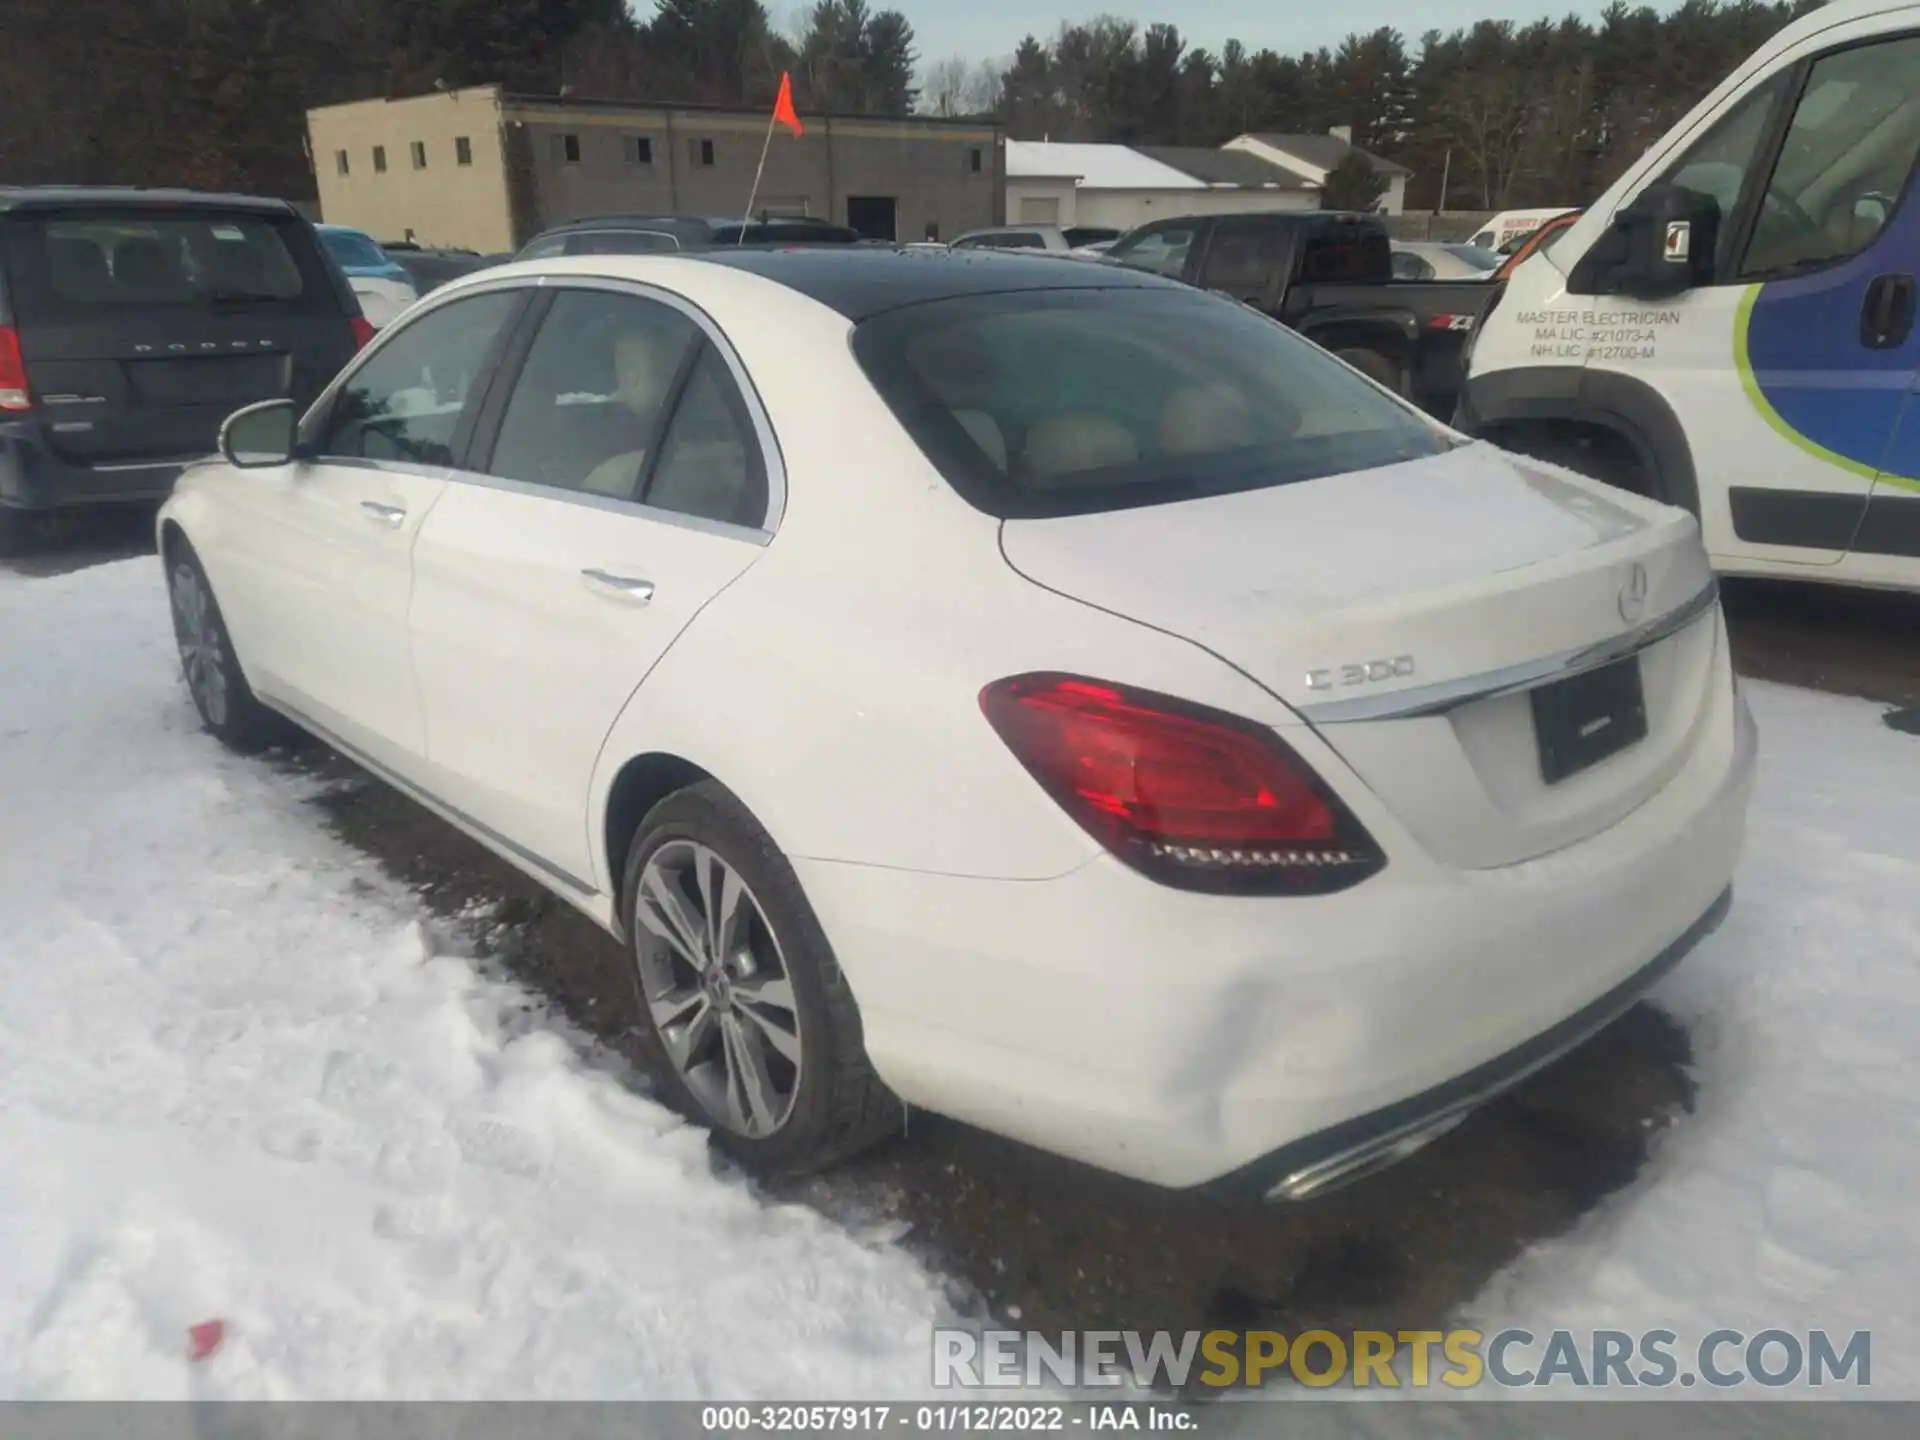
[[1376, 367], [750, 1028]]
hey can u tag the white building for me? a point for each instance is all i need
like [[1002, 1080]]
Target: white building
[[1311, 157], [1120, 186]]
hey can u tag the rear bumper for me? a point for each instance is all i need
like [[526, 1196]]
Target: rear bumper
[[1188, 1040], [1358, 1147], [33, 476]]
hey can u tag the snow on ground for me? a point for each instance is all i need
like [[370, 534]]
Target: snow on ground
[[1789, 1198], [237, 1081]]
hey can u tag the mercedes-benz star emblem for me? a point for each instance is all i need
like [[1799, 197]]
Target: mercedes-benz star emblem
[[1633, 594]]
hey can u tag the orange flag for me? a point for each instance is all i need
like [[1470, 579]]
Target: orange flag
[[783, 110]]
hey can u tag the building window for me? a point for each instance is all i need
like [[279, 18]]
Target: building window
[[639, 149], [566, 149], [700, 151], [974, 160], [379, 159], [419, 148], [462, 150], [340, 163]]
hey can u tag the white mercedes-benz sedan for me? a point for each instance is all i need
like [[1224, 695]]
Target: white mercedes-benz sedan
[[1047, 695]]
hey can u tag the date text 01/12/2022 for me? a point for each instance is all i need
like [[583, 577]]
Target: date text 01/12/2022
[[976, 1419]]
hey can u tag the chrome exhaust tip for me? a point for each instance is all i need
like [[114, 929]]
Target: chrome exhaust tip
[[1365, 1159]]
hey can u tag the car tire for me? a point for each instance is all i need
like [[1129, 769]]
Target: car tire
[[214, 680], [748, 1026], [1376, 367]]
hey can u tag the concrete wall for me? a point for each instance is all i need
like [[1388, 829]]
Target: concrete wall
[[444, 202], [1125, 209], [702, 163], [1450, 226]]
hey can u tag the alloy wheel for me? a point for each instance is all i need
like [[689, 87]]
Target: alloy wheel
[[717, 986], [202, 652]]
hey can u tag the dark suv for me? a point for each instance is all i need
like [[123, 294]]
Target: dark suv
[[646, 234], [133, 322]]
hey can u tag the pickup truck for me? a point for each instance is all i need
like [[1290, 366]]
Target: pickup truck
[[1328, 275]]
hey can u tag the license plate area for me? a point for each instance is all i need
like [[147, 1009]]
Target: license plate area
[[1584, 719]]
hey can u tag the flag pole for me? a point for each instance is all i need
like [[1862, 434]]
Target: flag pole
[[758, 171]]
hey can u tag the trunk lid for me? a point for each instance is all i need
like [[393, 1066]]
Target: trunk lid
[[1387, 606], [142, 328]]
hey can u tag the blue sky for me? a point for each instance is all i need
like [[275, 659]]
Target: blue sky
[[991, 28]]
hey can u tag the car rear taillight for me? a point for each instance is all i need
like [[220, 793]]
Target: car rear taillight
[[1188, 796], [13, 372], [363, 332]]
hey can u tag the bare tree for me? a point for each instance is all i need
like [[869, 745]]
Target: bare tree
[[1485, 113], [943, 89], [985, 87]]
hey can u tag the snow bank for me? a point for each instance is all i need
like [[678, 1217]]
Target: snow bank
[[1789, 1198], [237, 1082]]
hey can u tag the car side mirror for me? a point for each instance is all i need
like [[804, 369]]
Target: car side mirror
[[1661, 245], [260, 436]]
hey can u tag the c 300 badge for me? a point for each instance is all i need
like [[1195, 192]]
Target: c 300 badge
[[1367, 672]]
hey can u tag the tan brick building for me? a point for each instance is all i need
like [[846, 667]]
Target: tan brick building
[[486, 169]]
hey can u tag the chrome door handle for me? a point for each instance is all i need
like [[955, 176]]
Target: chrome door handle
[[388, 515], [627, 587]]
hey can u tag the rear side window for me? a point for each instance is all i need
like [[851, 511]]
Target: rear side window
[[1239, 257], [1066, 402], [1347, 254], [710, 463], [587, 410], [97, 264]]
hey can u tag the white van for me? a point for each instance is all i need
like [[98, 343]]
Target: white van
[[1504, 232], [1730, 328]]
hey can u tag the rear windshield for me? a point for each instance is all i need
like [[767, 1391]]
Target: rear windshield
[[97, 263], [1068, 402], [354, 250], [1478, 256]]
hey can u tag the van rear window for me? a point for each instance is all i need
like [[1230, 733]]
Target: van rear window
[[83, 265]]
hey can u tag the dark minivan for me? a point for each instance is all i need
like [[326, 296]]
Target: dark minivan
[[133, 322]]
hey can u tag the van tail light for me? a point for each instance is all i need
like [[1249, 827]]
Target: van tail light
[[1188, 796], [13, 372], [363, 332]]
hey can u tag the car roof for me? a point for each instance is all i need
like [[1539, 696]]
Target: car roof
[[16, 197], [862, 281]]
